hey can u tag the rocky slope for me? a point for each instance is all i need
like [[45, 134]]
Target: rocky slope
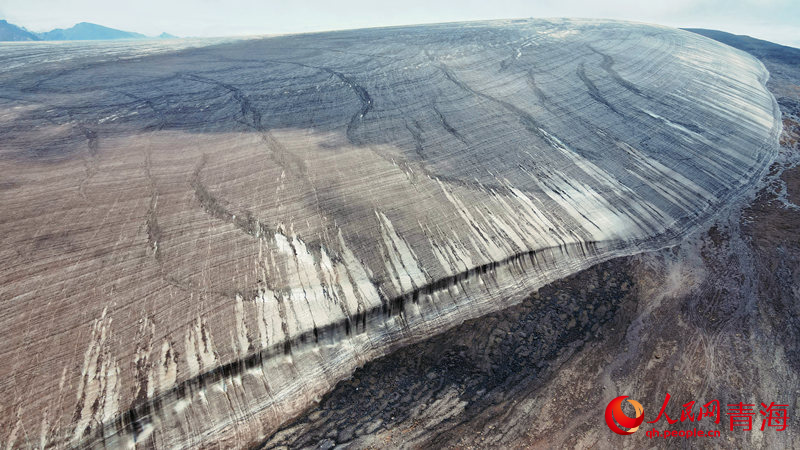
[[199, 244]]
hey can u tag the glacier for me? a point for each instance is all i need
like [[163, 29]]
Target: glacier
[[200, 242]]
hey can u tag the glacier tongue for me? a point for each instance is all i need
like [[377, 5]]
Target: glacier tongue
[[206, 240]]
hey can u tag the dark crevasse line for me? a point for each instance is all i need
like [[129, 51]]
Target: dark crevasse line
[[363, 96], [135, 419], [594, 92]]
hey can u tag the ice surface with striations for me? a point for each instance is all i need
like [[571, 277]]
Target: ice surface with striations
[[200, 242]]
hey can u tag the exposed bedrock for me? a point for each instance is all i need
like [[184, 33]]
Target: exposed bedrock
[[200, 243]]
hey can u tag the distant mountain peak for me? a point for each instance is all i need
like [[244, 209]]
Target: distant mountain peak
[[81, 31], [11, 32], [87, 31]]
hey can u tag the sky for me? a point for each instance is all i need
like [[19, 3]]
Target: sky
[[773, 20]]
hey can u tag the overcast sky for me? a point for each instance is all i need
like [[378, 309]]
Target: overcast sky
[[774, 20]]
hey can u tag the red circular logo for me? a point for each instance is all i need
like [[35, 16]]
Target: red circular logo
[[614, 412]]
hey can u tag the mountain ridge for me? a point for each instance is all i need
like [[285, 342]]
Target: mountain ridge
[[85, 31], [82, 31], [11, 32]]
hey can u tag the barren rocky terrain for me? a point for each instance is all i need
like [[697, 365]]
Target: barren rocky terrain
[[199, 243]]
